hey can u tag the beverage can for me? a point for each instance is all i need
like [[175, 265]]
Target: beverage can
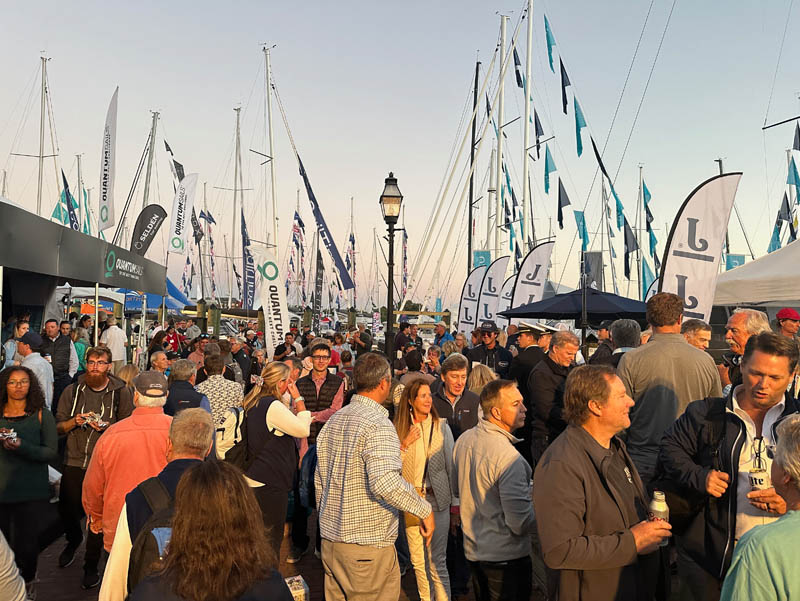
[[759, 479], [659, 510]]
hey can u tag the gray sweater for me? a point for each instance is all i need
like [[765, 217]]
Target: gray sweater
[[663, 377], [494, 488]]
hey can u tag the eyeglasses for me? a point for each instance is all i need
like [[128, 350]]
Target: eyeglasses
[[96, 363], [487, 334], [320, 357], [760, 447], [18, 383]]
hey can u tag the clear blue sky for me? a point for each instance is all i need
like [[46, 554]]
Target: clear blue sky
[[375, 86]]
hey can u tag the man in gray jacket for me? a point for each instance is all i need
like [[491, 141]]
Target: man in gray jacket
[[663, 377], [591, 506], [496, 510]]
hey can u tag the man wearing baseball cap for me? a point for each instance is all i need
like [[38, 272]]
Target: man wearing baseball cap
[[521, 367], [605, 349], [788, 322], [131, 451], [489, 352]]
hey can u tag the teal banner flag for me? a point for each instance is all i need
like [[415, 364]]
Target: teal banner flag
[[549, 167], [580, 123], [580, 221], [793, 179], [551, 41], [647, 277], [732, 261], [775, 241]]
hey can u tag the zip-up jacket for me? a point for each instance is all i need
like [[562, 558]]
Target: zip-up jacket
[[709, 435], [463, 415], [116, 404], [498, 358]]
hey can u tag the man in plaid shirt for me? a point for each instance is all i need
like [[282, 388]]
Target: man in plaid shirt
[[359, 491]]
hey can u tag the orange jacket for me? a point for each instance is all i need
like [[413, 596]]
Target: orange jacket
[[128, 453]]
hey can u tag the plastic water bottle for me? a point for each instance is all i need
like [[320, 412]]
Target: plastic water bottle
[[659, 510]]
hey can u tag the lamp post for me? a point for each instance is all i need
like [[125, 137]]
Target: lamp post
[[390, 202]]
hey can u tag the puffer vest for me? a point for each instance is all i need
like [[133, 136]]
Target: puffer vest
[[438, 476], [318, 402], [58, 350]]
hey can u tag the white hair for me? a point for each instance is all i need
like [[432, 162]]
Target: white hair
[[149, 401], [787, 453], [756, 322]]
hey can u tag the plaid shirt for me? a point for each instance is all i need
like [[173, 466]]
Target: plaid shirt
[[359, 487]]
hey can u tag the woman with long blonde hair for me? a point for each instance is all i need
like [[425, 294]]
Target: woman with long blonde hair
[[479, 377], [427, 453], [271, 429]]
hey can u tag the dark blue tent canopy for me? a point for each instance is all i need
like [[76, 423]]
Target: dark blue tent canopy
[[599, 306]]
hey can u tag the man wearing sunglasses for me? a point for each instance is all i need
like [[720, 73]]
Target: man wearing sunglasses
[[490, 353], [85, 409], [718, 456]]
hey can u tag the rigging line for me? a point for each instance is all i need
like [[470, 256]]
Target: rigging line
[[646, 86], [30, 87], [778, 62]]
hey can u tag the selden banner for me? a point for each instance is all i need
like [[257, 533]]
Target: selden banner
[[694, 247], [147, 225]]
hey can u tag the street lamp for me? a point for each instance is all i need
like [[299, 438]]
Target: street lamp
[[390, 202]]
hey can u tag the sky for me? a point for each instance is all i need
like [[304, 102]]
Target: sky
[[373, 87]]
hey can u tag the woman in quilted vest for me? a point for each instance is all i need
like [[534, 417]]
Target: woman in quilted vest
[[426, 444]]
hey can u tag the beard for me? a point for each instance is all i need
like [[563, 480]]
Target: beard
[[96, 379]]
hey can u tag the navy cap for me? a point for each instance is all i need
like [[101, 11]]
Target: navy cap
[[32, 339]]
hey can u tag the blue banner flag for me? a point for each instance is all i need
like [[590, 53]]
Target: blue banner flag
[[580, 221], [630, 246], [549, 167], [775, 241], [620, 209], [551, 41], [481, 258], [653, 243], [518, 70], [73, 217], [732, 261], [564, 83], [580, 123], [249, 270], [793, 179], [324, 233], [563, 201]]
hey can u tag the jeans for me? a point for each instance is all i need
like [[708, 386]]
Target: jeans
[[457, 566], [70, 508], [401, 544], [502, 580], [19, 523], [430, 563]]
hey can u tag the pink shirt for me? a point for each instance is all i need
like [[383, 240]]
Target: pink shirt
[[129, 452]]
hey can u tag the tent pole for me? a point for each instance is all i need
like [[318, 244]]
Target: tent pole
[[1, 292], [96, 312]]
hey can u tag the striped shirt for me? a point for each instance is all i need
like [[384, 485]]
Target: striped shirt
[[359, 487]]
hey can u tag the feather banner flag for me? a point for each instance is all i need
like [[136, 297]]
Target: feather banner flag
[[630, 246], [580, 221], [563, 201], [619, 208], [775, 241], [564, 83], [796, 145], [551, 41], [518, 70], [647, 278], [793, 179], [549, 167], [648, 213], [653, 242], [580, 123]]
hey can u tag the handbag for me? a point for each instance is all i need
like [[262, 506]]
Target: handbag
[[410, 518]]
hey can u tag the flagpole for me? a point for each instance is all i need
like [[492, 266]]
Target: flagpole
[[237, 110], [499, 164], [490, 192], [200, 250], [229, 263], [526, 188], [639, 203], [271, 151], [608, 229], [150, 157]]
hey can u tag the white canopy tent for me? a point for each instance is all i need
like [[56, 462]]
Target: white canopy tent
[[771, 280]]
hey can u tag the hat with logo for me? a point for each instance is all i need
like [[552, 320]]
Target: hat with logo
[[604, 325], [488, 326], [32, 339], [151, 384], [787, 313]]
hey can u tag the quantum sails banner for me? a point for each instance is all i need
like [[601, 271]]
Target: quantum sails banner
[[695, 243], [106, 218], [271, 287], [181, 210]]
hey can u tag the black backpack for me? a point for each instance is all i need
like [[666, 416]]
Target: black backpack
[[150, 547]]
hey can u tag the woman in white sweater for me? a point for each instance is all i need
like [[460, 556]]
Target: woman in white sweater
[[426, 444]]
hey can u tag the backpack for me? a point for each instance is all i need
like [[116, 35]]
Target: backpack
[[232, 438], [150, 547]]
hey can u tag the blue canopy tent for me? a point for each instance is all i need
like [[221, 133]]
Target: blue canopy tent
[[175, 302]]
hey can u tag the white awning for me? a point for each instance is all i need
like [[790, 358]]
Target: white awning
[[771, 280]]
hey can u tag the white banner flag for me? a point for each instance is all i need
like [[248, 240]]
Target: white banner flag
[[181, 214], [694, 247], [532, 276], [490, 289], [468, 307], [505, 301], [271, 297], [106, 218]]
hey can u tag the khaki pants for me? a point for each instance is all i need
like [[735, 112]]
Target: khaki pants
[[430, 564], [359, 572]]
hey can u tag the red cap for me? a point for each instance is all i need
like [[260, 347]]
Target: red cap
[[787, 313], [262, 333]]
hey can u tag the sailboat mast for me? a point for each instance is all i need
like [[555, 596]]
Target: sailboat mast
[[150, 157], [229, 263], [491, 193], [639, 227], [41, 136], [526, 187], [237, 110], [200, 251], [271, 151], [607, 225], [499, 164], [472, 166], [353, 258], [3, 187]]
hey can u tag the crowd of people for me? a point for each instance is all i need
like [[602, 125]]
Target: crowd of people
[[451, 458]]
